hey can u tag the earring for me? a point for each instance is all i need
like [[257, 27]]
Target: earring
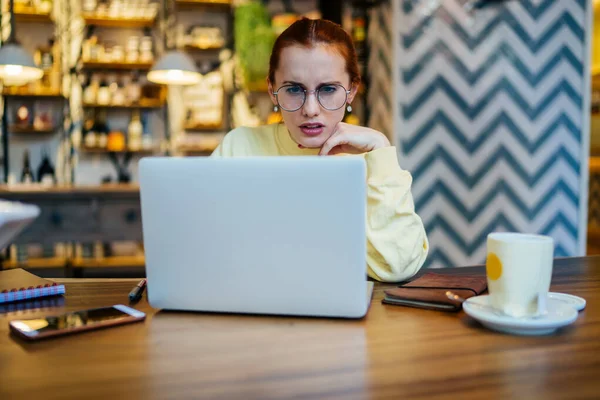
[[349, 108], [275, 108]]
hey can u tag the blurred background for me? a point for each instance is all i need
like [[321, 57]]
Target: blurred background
[[493, 105]]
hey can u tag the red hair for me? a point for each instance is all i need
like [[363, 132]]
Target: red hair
[[311, 32]]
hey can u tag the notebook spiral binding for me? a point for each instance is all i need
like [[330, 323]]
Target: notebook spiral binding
[[31, 292]]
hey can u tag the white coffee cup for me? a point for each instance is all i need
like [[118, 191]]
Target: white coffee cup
[[519, 271]]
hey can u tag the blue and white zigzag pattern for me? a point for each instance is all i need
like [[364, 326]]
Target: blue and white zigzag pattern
[[380, 98], [491, 111]]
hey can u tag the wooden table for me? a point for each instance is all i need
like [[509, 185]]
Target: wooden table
[[395, 352]]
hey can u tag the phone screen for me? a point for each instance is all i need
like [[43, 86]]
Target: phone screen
[[68, 321]]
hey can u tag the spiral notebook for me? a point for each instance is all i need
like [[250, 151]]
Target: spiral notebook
[[18, 284]]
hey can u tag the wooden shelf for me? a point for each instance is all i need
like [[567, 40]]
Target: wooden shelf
[[203, 128], [18, 92], [208, 147], [109, 22], [595, 165], [196, 48], [113, 65], [50, 262], [143, 104], [32, 16], [30, 129], [110, 262], [197, 150], [203, 3], [105, 151]]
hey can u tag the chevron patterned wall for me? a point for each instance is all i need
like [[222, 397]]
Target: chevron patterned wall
[[380, 99], [491, 115]]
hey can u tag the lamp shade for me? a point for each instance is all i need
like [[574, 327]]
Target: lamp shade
[[17, 66], [174, 68]]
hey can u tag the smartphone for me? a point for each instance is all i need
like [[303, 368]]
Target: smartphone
[[78, 321]]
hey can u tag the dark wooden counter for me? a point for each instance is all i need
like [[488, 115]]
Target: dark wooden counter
[[80, 213]]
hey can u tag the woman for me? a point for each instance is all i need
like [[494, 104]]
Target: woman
[[313, 77]]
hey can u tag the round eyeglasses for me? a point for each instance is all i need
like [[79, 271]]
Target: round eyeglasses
[[292, 97]]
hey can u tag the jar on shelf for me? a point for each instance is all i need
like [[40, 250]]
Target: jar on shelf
[[134, 132], [132, 52], [133, 91], [116, 141], [102, 10], [89, 6], [103, 97], [146, 49], [118, 55], [91, 90], [118, 97]]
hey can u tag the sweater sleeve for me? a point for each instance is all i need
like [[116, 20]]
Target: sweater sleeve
[[223, 149], [397, 244]]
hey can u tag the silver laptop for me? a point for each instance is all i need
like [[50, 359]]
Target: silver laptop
[[260, 235]]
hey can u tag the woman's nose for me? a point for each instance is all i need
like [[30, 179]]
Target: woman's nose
[[311, 106]]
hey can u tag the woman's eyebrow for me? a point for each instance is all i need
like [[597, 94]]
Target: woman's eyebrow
[[319, 85], [293, 83]]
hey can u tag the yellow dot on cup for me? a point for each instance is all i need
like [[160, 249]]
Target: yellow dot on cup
[[493, 266]]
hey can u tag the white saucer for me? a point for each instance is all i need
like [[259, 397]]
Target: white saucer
[[559, 315], [576, 302]]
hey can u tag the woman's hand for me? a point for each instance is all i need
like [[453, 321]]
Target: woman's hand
[[353, 139]]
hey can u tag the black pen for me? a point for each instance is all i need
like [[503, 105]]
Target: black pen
[[137, 291]]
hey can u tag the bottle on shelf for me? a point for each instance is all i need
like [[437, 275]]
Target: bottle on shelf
[[46, 174], [134, 132], [103, 97], [89, 6], [87, 48], [27, 173], [132, 52], [134, 90], [92, 50], [45, 58], [146, 50], [147, 140], [90, 92], [102, 130], [118, 94], [90, 136]]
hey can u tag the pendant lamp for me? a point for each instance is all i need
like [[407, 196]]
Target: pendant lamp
[[16, 64], [174, 68]]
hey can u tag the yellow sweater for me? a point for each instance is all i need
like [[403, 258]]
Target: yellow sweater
[[396, 241]]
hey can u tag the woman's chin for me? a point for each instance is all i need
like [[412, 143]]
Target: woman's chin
[[312, 142]]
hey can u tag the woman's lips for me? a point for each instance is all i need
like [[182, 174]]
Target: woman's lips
[[312, 129]]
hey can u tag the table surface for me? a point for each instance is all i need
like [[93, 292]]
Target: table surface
[[394, 352]]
